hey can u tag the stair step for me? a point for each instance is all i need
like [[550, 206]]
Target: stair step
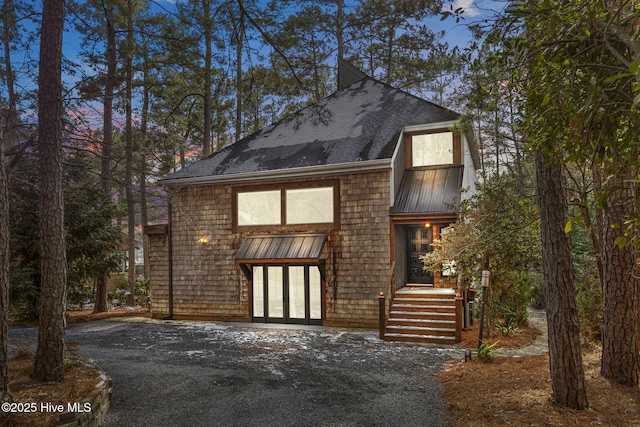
[[432, 323], [421, 314], [440, 318], [418, 299], [425, 293], [423, 308], [434, 339], [437, 292], [421, 330]]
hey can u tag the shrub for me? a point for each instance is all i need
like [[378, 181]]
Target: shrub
[[508, 329], [486, 351]]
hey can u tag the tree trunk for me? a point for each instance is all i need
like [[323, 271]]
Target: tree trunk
[[50, 352], [340, 29], [4, 273], [208, 57], [107, 143], [144, 149], [565, 355], [11, 123], [6, 139], [620, 283], [239, 45], [131, 212]]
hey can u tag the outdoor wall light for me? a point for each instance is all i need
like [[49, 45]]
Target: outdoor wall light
[[203, 240], [427, 225]]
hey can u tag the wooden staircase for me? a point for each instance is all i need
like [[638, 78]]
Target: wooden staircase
[[421, 313]]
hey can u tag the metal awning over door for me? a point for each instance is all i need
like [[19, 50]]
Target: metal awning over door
[[280, 249], [433, 190]]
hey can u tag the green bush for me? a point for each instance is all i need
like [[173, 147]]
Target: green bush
[[24, 292], [486, 351], [508, 329], [588, 297], [142, 292]]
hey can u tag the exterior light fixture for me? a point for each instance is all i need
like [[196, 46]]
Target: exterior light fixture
[[427, 225], [203, 240]]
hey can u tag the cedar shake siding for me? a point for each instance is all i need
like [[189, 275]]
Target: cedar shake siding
[[208, 283], [159, 268], [363, 260], [331, 196]]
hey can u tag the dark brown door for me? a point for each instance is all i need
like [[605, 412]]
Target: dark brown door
[[419, 241]]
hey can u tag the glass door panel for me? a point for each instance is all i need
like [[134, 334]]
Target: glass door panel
[[258, 291], [315, 293], [296, 293], [275, 291]]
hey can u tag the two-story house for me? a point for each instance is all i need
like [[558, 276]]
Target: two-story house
[[309, 219]]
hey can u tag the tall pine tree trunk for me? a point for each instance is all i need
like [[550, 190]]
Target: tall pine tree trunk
[[239, 45], [208, 58], [565, 354], [144, 149], [620, 282], [131, 212], [107, 142], [6, 139], [4, 273], [50, 352]]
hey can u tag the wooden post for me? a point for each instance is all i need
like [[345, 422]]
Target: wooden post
[[458, 317], [485, 288], [465, 309], [382, 315]]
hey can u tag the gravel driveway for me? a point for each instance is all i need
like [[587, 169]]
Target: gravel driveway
[[177, 373]]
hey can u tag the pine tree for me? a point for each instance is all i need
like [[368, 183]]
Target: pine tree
[[50, 352]]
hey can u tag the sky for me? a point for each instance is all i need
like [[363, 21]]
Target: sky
[[456, 33]]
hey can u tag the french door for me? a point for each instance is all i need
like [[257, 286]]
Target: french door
[[287, 294]]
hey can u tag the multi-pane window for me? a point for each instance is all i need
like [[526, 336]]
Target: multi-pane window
[[432, 149], [313, 205]]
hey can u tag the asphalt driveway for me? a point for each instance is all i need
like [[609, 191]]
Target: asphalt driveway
[[211, 374]]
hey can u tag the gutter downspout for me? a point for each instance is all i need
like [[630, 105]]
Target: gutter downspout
[[170, 260]]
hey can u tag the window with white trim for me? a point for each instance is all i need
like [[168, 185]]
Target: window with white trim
[[432, 149]]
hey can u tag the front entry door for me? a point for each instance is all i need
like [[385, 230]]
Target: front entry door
[[287, 294], [419, 241]]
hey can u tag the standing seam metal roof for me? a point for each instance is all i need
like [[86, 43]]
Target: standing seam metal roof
[[291, 247], [430, 191]]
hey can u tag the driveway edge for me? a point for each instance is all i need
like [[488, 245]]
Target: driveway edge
[[99, 400]]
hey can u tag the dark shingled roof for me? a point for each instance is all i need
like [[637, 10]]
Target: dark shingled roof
[[358, 123]]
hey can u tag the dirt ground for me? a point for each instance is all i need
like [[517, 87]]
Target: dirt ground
[[87, 314], [516, 391]]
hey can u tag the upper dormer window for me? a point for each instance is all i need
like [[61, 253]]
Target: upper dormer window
[[432, 149]]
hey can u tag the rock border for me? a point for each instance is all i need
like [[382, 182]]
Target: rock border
[[100, 401]]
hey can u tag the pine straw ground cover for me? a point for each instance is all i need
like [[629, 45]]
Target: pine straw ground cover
[[79, 378], [516, 391]]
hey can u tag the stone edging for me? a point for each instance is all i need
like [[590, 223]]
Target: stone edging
[[100, 401]]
